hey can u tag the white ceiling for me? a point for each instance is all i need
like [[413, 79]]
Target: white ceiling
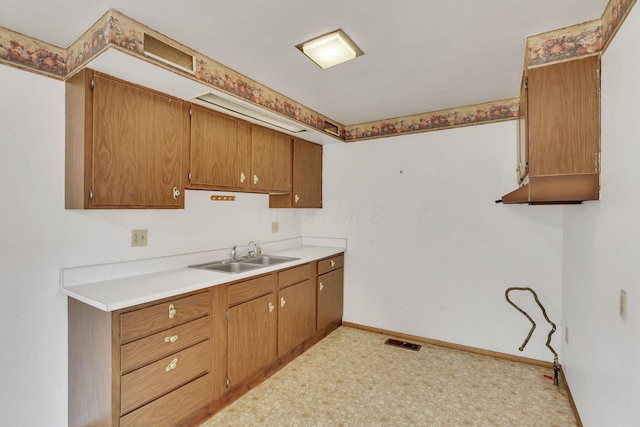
[[420, 55]]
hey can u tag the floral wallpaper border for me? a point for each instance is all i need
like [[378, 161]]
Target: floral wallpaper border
[[444, 119], [613, 17], [115, 30], [30, 54], [565, 43]]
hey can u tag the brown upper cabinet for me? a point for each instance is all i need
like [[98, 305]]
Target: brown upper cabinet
[[559, 147], [125, 145], [230, 154], [307, 178]]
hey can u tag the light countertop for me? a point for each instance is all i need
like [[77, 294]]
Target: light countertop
[[117, 293]]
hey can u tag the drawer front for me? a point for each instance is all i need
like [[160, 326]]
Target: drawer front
[[251, 289], [170, 409], [330, 264], [294, 275], [146, 321], [152, 381], [146, 350]]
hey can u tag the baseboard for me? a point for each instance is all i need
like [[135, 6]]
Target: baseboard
[[475, 350], [460, 347], [572, 403]]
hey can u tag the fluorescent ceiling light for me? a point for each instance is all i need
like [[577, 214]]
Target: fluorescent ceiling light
[[330, 49], [238, 109]]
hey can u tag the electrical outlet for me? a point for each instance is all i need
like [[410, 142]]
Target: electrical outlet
[[566, 335], [623, 304], [275, 227], [138, 237]]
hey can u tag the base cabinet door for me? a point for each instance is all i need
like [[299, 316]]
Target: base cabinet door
[[252, 337], [330, 297], [297, 315]]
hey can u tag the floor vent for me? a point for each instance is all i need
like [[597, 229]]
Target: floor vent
[[403, 344]]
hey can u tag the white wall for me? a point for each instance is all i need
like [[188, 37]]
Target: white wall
[[602, 253], [429, 252], [38, 237]]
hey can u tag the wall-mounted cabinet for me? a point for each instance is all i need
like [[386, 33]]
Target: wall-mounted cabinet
[[559, 160], [306, 179], [230, 154], [125, 145]]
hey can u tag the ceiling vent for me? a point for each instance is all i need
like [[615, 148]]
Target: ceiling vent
[[228, 105], [163, 52]]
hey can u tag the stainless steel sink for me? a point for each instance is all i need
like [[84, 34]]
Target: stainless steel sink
[[244, 264], [266, 260]]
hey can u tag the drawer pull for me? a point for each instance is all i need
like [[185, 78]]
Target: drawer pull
[[171, 339], [171, 366], [176, 193], [321, 286], [333, 263], [255, 179], [282, 302], [172, 311], [243, 178], [296, 199], [271, 307]]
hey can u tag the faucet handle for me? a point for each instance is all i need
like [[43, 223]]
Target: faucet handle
[[234, 252]]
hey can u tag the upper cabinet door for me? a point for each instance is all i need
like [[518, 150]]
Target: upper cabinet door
[[307, 178], [271, 161], [137, 147], [564, 118], [214, 149]]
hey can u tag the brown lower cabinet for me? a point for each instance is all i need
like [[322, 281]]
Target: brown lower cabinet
[[178, 360]]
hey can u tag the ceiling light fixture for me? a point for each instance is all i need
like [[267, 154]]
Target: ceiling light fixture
[[330, 49]]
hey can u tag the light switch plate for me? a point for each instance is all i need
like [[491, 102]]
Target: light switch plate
[[623, 304], [275, 227], [138, 237]]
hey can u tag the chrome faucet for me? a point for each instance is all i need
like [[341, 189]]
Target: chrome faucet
[[252, 248], [234, 253]]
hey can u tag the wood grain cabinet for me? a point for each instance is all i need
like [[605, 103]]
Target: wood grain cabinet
[[330, 284], [214, 150], [270, 160], [230, 154], [297, 307], [252, 327], [146, 365], [559, 147], [306, 180], [125, 145]]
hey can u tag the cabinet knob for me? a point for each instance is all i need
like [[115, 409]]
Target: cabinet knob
[[296, 199], [255, 179], [172, 365], [333, 263], [176, 193], [321, 286], [243, 177], [172, 311], [282, 302], [271, 307], [171, 339]]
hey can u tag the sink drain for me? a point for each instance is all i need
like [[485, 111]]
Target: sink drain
[[403, 344]]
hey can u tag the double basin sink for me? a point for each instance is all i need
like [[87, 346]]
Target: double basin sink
[[240, 265]]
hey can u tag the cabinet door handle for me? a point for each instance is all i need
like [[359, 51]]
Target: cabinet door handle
[[255, 179], [176, 193], [333, 263], [172, 365], [321, 286], [296, 199], [243, 178], [172, 311], [282, 302], [271, 307], [171, 339]]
